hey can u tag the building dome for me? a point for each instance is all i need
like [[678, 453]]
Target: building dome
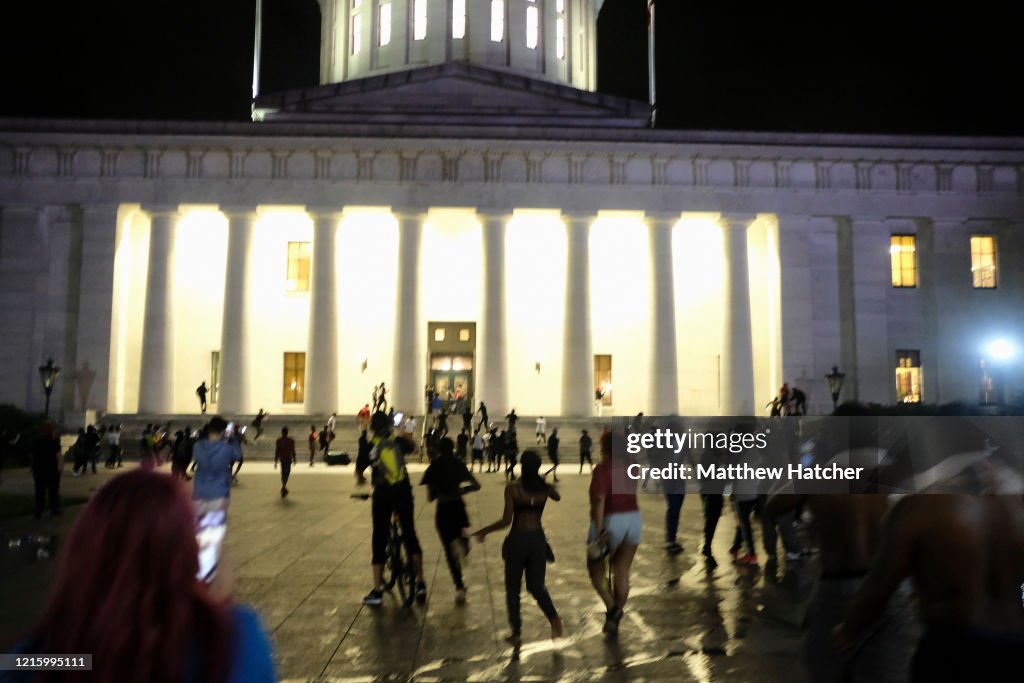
[[552, 40]]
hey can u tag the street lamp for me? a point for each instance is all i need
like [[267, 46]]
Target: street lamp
[[48, 374], [835, 385]]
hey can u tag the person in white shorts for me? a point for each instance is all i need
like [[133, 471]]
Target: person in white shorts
[[615, 530]]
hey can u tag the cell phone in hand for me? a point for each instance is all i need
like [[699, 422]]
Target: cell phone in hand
[[212, 528]]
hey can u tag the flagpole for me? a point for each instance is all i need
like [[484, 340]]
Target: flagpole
[[653, 85], [256, 52]]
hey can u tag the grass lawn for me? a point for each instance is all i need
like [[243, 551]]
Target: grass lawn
[[12, 505]]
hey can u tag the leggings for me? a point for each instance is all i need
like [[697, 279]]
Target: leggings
[[744, 531], [712, 512], [526, 551], [673, 506], [451, 519]]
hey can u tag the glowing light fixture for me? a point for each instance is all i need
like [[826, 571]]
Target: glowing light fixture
[[1002, 349]]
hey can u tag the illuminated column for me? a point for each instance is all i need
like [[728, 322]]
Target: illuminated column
[[737, 343], [156, 376], [493, 385], [235, 366], [408, 382], [664, 370], [578, 359], [322, 343]]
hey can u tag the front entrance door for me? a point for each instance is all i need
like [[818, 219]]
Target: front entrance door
[[451, 355]]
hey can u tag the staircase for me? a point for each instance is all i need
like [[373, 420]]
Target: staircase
[[346, 432]]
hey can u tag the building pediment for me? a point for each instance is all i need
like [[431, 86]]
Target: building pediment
[[454, 92]]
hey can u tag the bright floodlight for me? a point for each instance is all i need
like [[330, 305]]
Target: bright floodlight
[[1001, 349]]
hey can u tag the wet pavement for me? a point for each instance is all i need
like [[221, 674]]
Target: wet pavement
[[303, 563]]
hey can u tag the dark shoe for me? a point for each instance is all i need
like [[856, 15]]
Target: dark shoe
[[673, 548], [374, 598], [421, 593], [611, 621]]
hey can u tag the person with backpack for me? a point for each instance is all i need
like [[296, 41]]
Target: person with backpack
[[392, 494]]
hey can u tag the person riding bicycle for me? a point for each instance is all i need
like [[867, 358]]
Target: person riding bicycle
[[392, 494]]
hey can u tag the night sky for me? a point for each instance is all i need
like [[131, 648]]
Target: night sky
[[829, 67]]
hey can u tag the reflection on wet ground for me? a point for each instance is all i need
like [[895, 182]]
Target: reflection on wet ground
[[303, 562]]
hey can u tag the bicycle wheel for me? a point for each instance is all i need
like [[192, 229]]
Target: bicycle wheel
[[393, 566]]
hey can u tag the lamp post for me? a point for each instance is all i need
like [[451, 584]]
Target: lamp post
[[835, 385], [48, 375]]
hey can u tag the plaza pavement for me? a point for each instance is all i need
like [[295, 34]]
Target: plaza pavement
[[303, 563]]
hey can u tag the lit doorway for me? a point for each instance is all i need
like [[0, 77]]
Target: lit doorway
[[451, 352]]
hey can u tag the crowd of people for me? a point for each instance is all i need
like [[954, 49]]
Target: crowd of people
[[954, 551]]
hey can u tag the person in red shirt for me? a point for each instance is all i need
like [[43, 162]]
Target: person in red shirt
[[363, 417], [615, 529], [314, 440]]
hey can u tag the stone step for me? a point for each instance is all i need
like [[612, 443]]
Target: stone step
[[346, 432]]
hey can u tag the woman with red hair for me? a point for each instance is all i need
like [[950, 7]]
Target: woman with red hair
[[127, 594]]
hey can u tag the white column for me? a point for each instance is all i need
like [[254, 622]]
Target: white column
[[492, 387], [409, 366], [235, 363], [578, 357], [156, 377], [96, 298], [664, 368], [322, 344], [737, 342]]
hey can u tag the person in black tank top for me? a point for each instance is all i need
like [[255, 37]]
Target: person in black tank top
[[526, 548]]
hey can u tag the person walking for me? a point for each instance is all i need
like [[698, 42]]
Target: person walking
[[511, 454], [284, 453], [586, 446], [92, 449], [201, 392], [313, 440], [553, 454], [443, 479], [467, 418], [495, 449], [541, 431], [511, 419], [114, 444], [324, 441], [526, 549], [477, 451], [363, 417], [47, 465], [614, 535], [462, 446], [211, 486], [484, 421]]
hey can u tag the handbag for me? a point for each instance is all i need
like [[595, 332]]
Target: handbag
[[598, 548]]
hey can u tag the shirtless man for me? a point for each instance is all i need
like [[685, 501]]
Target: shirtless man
[[962, 543], [849, 527], [966, 556]]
